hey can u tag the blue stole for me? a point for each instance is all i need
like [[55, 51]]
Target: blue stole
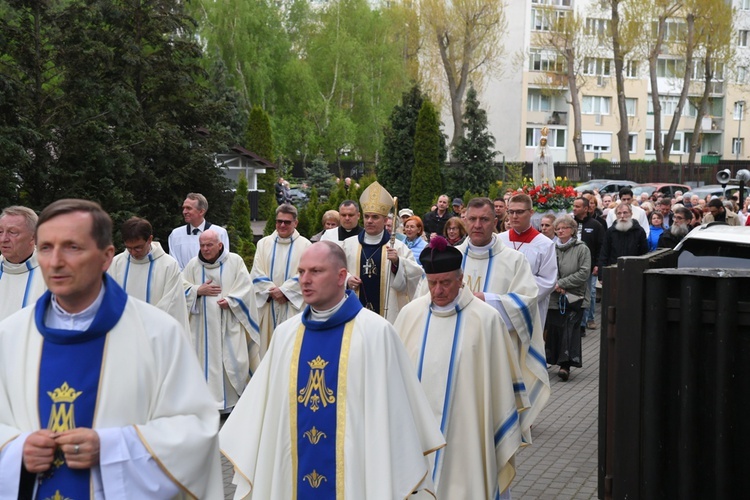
[[69, 372], [318, 402], [369, 295]]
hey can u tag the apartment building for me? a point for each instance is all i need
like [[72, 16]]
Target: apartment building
[[531, 94]]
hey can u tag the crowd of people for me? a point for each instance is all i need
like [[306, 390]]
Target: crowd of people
[[382, 357]]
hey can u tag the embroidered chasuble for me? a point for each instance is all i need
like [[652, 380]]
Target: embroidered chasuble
[[20, 285], [542, 256], [467, 364], [69, 372], [370, 263], [351, 424], [506, 274], [131, 373], [275, 265]]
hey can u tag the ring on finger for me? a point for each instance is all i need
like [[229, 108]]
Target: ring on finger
[[76, 449]]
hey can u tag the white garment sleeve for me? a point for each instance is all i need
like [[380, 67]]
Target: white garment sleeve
[[493, 299], [11, 458], [127, 469]]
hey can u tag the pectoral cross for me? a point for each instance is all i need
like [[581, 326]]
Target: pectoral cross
[[369, 268]]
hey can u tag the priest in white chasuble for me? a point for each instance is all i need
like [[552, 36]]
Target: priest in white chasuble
[[465, 359], [146, 272], [384, 273], [274, 273], [223, 319], [335, 409], [502, 277], [100, 394], [21, 281]]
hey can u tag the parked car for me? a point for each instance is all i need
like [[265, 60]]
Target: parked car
[[605, 186], [715, 245], [665, 188], [298, 196], [712, 190]]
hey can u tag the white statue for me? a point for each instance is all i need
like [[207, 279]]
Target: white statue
[[544, 171]]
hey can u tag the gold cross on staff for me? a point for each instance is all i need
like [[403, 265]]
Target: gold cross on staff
[[369, 268]]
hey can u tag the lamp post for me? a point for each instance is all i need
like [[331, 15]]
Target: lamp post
[[741, 105]]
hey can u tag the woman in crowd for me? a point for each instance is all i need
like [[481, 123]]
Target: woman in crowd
[[454, 231], [697, 216], [413, 229], [331, 219], [569, 299], [656, 225]]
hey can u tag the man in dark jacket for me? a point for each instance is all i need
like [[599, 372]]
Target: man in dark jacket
[[625, 238], [680, 227], [434, 221], [591, 232]]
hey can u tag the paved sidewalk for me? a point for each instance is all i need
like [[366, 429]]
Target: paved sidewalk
[[561, 463]]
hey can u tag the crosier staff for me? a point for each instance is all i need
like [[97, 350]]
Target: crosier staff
[[396, 222]]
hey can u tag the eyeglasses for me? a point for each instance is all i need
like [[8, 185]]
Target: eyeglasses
[[281, 222], [517, 212]]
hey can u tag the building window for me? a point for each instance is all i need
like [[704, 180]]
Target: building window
[[544, 20], [540, 60], [745, 4], [742, 72], [633, 143], [699, 70], [631, 105], [561, 3], [555, 137], [673, 30], [598, 27], [677, 142], [538, 101], [631, 69], [596, 66], [595, 105], [742, 40], [670, 68], [737, 146], [597, 142], [669, 105]]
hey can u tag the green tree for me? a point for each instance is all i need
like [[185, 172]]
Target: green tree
[[239, 228], [309, 215], [394, 170], [475, 169], [259, 140], [319, 176], [109, 101], [426, 182]]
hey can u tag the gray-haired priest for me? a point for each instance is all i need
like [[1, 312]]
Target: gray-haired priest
[[465, 359], [371, 259]]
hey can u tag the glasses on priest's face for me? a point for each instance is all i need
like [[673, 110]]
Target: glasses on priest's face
[[282, 222]]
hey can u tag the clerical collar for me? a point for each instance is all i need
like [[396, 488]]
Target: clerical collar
[[60, 319], [316, 315], [348, 233], [373, 240], [20, 261], [483, 248], [448, 307], [201, 257]]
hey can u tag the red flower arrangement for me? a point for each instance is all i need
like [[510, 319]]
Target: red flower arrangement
[[554, 198]]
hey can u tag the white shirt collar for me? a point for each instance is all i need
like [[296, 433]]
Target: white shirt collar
[[325, 315], [59, 319]]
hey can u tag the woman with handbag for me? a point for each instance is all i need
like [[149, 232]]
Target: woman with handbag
[[569, 299]]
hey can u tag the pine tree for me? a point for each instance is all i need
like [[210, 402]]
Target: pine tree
[[395, 169], [239, 228], [319, 176], [475, 170], [259, 140], [426, 183]]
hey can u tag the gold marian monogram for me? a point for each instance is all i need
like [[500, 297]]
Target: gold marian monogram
[[57, 496], [474, 286], [316, 392], [314, 435], [314, 479], [62, 417]]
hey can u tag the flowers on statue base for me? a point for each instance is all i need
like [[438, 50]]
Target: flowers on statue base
[[550, 198]]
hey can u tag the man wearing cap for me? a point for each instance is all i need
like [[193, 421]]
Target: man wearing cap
[[458, 205], [465, 359], [21, 281], [375, 265], [146, 272], [501, 276], [335, 409], [434, 221], [349, 228], [274, 273]]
